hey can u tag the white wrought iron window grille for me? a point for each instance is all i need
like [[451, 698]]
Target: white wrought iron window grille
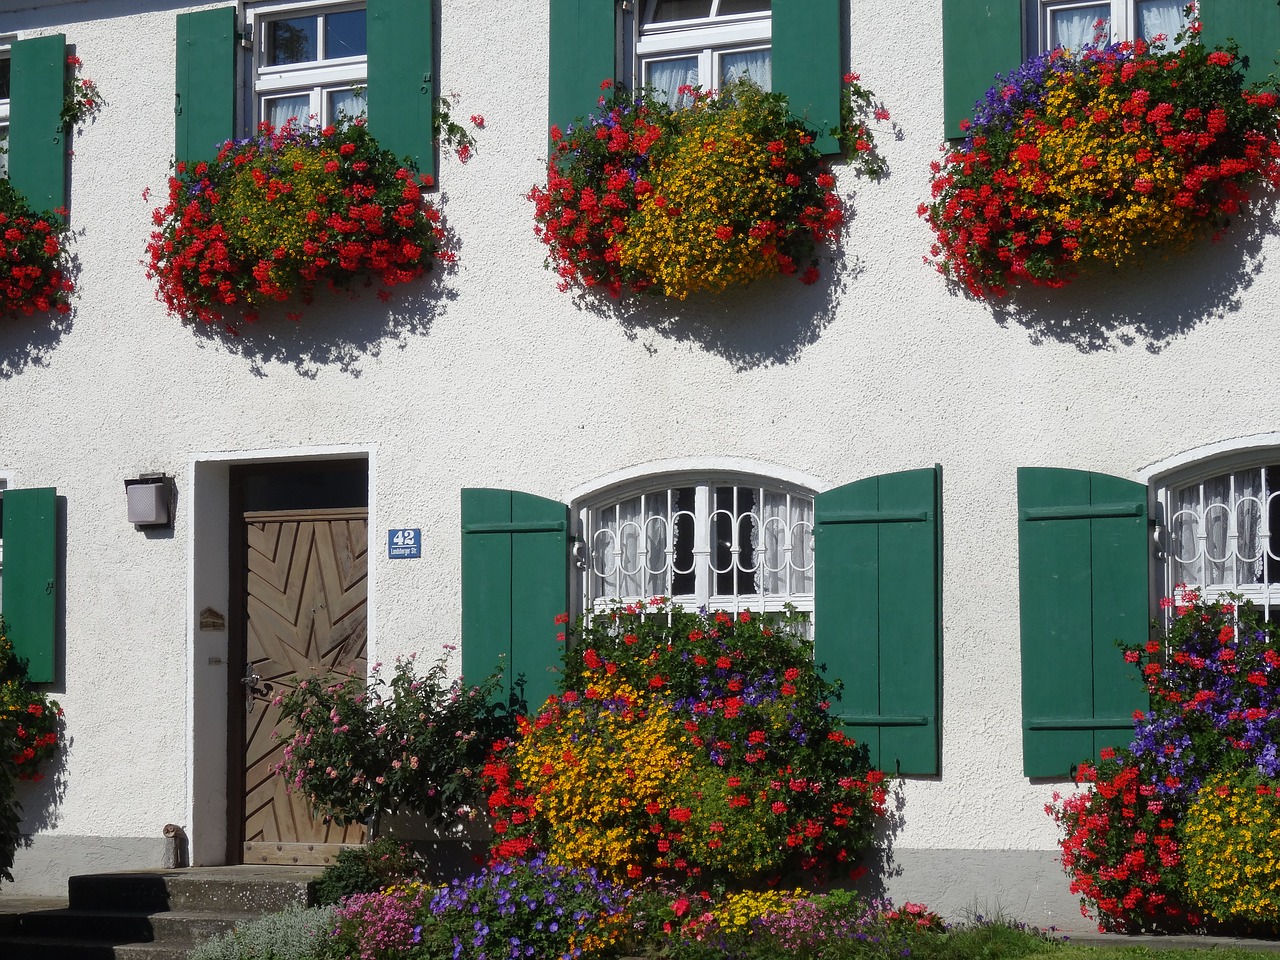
[[682, 44], [4, 484], [5, 80], [720, 546], [1220, 535], [309, 62], [1079, 24]]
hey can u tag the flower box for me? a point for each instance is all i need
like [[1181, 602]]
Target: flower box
[[1096, 159]]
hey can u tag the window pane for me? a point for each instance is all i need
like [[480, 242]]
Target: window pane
[[729, 7], [1078, 27], [346, 105], [666, 77], [667, 10], [755, 65], [4, 78], [277, 111], [1161, 18], [291, 41], [344, 35]]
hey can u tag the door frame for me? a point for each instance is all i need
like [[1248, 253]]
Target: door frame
[[212, 667]]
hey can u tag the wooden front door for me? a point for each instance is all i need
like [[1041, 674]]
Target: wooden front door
[[305, 599]]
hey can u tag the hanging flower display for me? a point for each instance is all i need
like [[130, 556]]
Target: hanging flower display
[[1096, 158], [34, 257], [647, 198], [282, 212]]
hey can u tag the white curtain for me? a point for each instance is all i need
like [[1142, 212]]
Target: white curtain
[[666, 77], [4, 154], [1161, 17], [1217, 531], [754, 64], [346, 104], [1077, 28], [279, 110]]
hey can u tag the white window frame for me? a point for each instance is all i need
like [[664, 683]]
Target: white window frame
[[1229, 467], [596, 555], [315, 79], [1124, 20], [6, 481], [709, 39], [5, 41]]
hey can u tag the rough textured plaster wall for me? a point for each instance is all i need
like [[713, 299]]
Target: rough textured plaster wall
[[486, 375]]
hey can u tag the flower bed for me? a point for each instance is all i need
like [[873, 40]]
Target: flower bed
[[645, 198], [689, 746], [1098, 158], [416, 742], [277, 215], [30, 735], [34, 258], [1150, 844]]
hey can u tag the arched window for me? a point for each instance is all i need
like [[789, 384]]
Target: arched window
[[1220, 518], [727, 544], [702, 43]]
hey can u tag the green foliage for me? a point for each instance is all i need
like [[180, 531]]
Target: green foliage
[[1231, 849], [688, 745], [1215, 710], [415, 742], [365, 869], [278, 214], [525, 909], [35, 259], [297, 933], [31, 732]]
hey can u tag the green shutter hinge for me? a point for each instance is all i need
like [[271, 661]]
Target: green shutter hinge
[[50, 587], [177, 104], [427, 79]]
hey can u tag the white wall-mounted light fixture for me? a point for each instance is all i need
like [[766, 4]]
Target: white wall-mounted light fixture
[[150, 499]]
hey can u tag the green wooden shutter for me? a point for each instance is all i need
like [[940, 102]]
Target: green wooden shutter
[[877, 611], [515, 581], [402, 81], [583, 53], [1254, 24], [1083, 556], [37, 137], [980, 38], [206, 83], [807, 63], [30, 604]]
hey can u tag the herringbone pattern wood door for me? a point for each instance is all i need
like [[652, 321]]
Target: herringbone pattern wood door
[[307, 580]]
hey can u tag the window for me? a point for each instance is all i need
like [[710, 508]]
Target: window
[[726, 540], [5, 74], [792, 47], [722, 545], [702, 43], [4, 483], [1219, 533], [1077, 25], [308, 61]]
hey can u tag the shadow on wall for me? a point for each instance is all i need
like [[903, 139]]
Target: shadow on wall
[[341, 329], [41, 798], [767, 323], [1153, 303], [28, 341], [880, 864]]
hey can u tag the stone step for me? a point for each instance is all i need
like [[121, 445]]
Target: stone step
[[127, 926], [147, 914], [62, 948], [239, 890]]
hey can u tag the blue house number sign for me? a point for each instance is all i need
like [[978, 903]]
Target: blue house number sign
[[404, 544]]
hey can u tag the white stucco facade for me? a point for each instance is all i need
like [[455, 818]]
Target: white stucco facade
[[486, 375]]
